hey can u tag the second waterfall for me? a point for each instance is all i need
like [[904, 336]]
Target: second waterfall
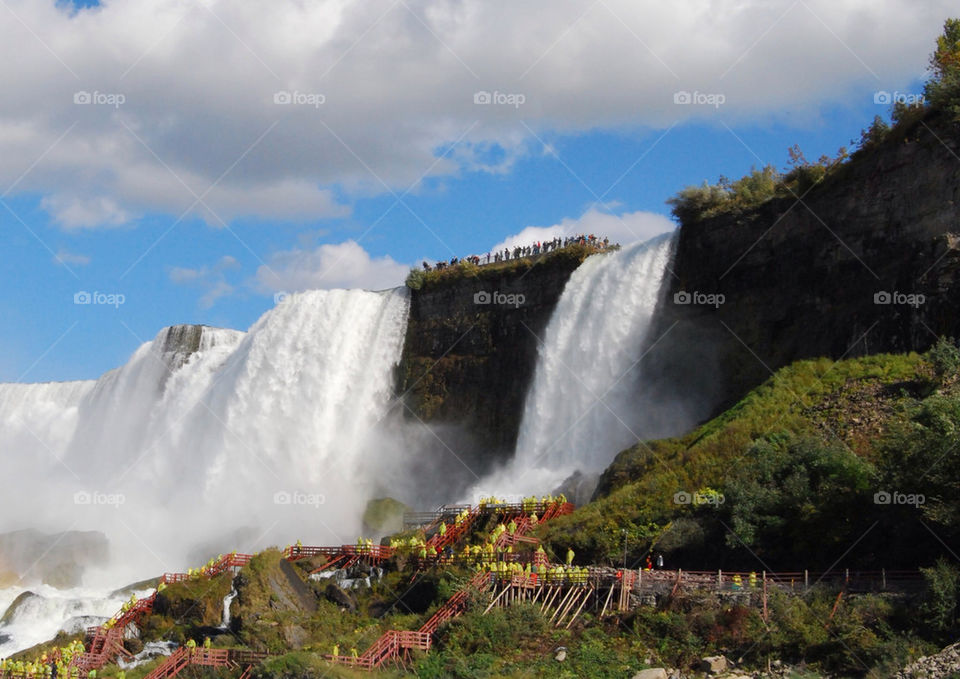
[[585, 402]]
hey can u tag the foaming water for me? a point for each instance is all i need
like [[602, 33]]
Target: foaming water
[[37, 618], [583, 406], [210, 437]]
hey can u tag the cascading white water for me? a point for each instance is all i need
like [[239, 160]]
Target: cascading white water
[[38, 419], [39, 617], [227, 600], [582, 407], [206, 431]]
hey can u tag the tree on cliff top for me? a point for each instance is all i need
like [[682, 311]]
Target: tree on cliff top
[[943, 88]]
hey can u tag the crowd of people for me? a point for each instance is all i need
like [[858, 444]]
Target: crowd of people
[[206, 570], [518, 252], [51, 665]]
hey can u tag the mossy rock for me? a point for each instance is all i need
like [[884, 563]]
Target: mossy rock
[[384, 516]]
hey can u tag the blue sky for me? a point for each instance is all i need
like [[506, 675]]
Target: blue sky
[[109, 223]]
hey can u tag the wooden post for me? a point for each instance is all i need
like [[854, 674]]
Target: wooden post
[[806, 580], [719, 580], [765, 596], [883, 578]]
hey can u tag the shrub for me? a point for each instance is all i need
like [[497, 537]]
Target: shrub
[[875, 134], [943, 88], [756, 187], [785, 497], [804, 177], [945, 358], [696, 202], [415, 278], [938, 609]]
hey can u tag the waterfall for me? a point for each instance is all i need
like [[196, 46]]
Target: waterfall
[[206, 430], [227, 600], [584, 404], [34, 616]]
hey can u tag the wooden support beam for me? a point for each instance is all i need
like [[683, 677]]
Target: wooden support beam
[[566, 604], [493, 603], [605, 603], [583, 603], [561, 605], [548, 602]]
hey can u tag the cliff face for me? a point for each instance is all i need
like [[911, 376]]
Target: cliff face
[[466, 365], [867, 262]]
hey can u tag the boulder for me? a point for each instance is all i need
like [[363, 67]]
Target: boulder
[[652, 673], [339, 597], [295, 636], [561, 654], [713, 664]]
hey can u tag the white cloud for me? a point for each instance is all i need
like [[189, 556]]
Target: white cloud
[[623, 228], [211, 279], [340, 265], [66, 257], [198, 80], [75, 212]]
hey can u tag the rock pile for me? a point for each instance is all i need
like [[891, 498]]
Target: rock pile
[[944, 664]]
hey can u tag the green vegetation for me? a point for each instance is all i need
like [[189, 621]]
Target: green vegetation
[[941, 96], [943, 88], [418, 279], [826, 409], [823, 456]]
